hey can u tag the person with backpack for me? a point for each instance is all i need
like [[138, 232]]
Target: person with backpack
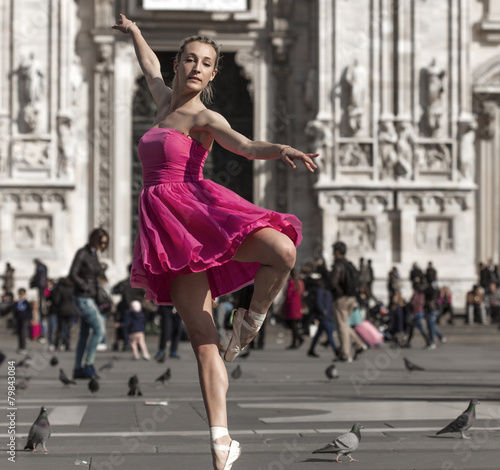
[[345, 286]]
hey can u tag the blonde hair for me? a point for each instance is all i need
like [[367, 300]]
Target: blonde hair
[[207, 93]]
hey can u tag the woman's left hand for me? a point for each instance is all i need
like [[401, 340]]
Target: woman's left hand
[[289, 154]]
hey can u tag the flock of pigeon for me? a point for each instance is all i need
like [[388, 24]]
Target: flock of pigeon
[[344, 444], [40, 430]]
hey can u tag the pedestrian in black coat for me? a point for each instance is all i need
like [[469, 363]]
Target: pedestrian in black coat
[[23, 313], [65, 308]]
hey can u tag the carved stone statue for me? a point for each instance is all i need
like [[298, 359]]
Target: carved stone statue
[[406, 141], [353, 95], [321, 137], [31, 89], [467, 129], [104, 57], [31, 79], [320, 134], [388, 138], [433, 89], [66, 145]]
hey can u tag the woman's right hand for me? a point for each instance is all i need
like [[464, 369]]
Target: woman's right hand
[[123, 24]]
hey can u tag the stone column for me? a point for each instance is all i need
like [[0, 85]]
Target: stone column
[[102, 134], [404, 59]]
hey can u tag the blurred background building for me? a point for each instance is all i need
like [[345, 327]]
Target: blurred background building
[[400, 98]]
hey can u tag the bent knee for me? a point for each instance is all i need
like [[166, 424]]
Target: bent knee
[[288, 254]]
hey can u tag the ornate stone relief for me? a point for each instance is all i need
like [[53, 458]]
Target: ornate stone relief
[[24, 199], [434, 234], [33, 232], [434, 157], [361, 232], [246, 58], [374, 201], [103, 132], [354, 154], [30, 154], [436, 201]]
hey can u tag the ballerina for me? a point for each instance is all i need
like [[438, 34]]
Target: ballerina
[[198, 240]]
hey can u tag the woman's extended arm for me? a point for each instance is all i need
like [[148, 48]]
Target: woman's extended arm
[[254, 150], [148, 60]]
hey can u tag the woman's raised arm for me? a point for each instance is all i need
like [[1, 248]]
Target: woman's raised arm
[[148, 60]]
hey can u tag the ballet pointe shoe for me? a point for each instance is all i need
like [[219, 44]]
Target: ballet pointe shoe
[[223, 455], [233, 452], [243, 333]]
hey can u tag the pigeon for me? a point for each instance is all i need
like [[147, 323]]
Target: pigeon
[[463, 422], [26, 362], [344, 444], [411, 366], [133, 387], [22, 383], [93, 385], [165, 377], [54, 361], [108, 366], [39, 432], [331, 372], [65, 380], [236, 373]]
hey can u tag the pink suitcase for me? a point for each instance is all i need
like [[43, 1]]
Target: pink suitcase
[[369, 334]]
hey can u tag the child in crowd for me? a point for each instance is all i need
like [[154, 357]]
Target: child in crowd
[[134, 322]]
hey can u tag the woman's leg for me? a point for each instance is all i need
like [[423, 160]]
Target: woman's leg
[[276, 254], [193, 300]]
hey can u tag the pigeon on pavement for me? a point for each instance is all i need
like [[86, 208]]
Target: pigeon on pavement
[[26, 362], [165, 377], [331, 372], [236, 373], [54, 361], [463, 422], [133, 387], [65, 379], [108, 366], [411, 366], [39, 432], [23, 382], [344, 444], [93, 385]]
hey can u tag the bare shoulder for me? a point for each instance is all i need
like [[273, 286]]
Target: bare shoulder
[[212, 119]]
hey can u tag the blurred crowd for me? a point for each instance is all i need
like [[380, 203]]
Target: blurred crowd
[[315, 303]]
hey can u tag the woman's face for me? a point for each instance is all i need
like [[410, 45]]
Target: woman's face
[[103, 243], [196, 66]]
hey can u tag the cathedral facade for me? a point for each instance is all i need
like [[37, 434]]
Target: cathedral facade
[[400, 98]]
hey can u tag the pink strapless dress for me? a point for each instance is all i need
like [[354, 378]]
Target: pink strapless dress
[[188, 224]]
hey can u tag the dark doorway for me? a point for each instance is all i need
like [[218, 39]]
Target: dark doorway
[[231, 99]]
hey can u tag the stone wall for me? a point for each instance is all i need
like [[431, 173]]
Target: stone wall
[[404, 112]]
